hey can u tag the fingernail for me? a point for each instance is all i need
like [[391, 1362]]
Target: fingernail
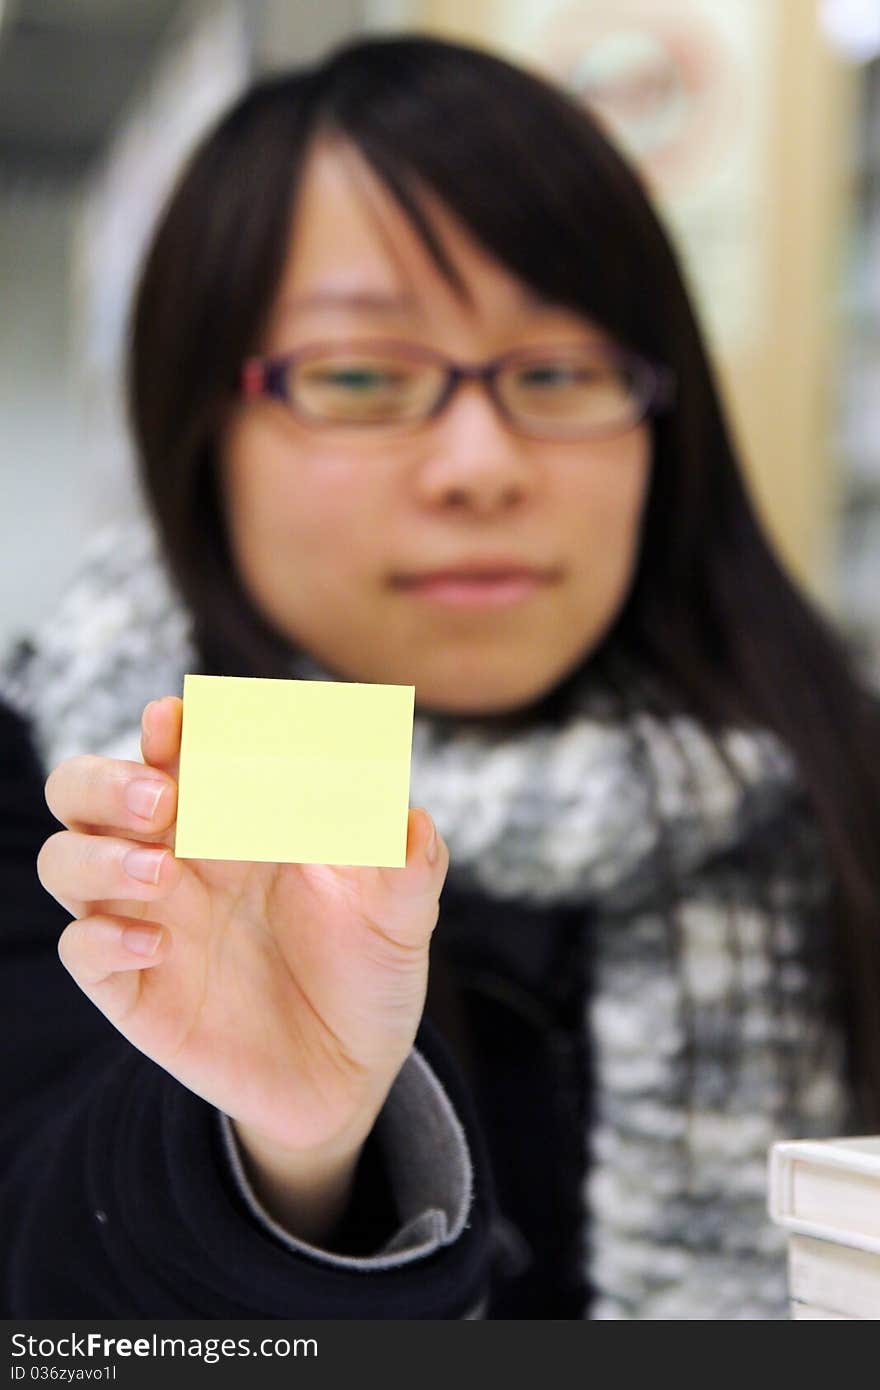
[[144, 864], [141, 940], [432, 848], [143, 797]]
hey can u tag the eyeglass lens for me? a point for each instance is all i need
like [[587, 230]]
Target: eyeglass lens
[[569, 392]]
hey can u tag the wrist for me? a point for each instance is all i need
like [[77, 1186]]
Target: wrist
[[306, 1190]]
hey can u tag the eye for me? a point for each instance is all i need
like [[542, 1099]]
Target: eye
[[556, 374], [349, 389], [358, 380]]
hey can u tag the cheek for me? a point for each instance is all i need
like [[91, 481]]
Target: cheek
[[606, 503], [286, 508]]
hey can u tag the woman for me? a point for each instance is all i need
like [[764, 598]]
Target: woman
[[419, 398]]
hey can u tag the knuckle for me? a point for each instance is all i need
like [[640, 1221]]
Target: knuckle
[[90, 849], [94, 855], [68, 862], [47, 859], [71, 779], [53, 787], [91, 773], [70, 944], [401, 947]]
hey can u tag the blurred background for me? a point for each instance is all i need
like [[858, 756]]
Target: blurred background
[[756, 123]]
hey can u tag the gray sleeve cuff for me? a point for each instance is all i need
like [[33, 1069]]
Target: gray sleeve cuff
[[429, 1169]]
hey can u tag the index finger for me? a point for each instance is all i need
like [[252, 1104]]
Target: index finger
[[89, 793]]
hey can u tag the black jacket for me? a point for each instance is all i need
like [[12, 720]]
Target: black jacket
[[117, 1199]]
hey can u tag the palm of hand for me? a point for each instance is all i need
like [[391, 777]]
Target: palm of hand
[[282, 984], [286, 995]]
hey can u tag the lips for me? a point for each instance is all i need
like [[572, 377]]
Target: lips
[[477, 570], [476, 584]]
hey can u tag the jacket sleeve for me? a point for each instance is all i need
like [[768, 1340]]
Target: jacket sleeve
[[122, 1193]]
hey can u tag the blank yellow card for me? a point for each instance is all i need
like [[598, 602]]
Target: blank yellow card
[[289, 771]]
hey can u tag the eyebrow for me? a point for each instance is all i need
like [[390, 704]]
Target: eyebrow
[[374, 301], [383, 301]]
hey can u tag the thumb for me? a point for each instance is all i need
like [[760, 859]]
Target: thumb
[[161, 725], [427, 862]]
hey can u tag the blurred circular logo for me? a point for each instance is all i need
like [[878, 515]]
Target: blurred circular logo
[[665, 83]]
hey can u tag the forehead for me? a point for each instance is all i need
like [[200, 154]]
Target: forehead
[[352, 242]]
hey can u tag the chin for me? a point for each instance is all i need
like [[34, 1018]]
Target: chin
[[509, 688], [480, 700]]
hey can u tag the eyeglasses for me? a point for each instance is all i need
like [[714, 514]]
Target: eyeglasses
[[546, 392]]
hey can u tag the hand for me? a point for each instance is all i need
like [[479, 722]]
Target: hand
[[286, 995]]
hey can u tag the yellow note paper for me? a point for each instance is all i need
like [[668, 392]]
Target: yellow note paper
[[287, 771]]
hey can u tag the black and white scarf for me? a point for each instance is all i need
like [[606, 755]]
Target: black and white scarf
[[713, 1028]]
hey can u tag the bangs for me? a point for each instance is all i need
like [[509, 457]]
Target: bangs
[[523, 168]]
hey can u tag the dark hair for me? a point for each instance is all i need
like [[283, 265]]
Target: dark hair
[[710, 612]]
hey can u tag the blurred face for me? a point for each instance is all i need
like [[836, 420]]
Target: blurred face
[[478, 564]]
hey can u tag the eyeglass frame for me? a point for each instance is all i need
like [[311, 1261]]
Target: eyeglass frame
[[266, 376]]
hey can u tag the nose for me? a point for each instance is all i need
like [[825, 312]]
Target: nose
[[475, 460]]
